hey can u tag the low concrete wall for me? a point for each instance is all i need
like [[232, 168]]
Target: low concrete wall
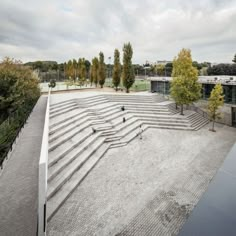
[[43, 172]]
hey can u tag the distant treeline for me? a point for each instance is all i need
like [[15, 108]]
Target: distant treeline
[[222, 69], [19, 91], [51, 70]]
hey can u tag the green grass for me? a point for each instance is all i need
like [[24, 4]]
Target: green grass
[[139, 85]]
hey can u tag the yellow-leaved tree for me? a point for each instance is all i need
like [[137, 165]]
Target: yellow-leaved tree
[[215, 101], [185, 88]]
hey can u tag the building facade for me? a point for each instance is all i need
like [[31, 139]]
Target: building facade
[[162, 85]]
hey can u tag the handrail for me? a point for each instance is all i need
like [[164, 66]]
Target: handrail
[[199, 111], [43, 172]]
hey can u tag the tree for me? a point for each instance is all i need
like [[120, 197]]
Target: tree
[[215, 101], [75, 68], [91, 75], [83, 71], [18, 87], [70, 70], [168, 68], [116, 69], [222, 69], [87, 65], [128, 76], [234, 60], [159, 69], [101, 70], [185, 88], [95, 70]]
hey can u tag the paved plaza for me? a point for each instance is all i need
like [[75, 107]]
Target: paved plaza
[[111, 182], [147, 187]]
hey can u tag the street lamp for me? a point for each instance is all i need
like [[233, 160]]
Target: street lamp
[[164, 87], [146, 67]]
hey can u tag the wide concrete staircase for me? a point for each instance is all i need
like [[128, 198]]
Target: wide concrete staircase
[[74, 148]]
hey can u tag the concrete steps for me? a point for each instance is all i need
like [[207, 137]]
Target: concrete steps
[[69, 156], [55, 105], [136, 98], [59, 140], [92, 101], [197, 121], [68, 145], [72, 162], [144, 106], [64, 106], [55, 121], [172, 108], [151, 112], [73, 120], [90, 160], [168, 126], [142, 109], [70, 124], [63, 111], [171, 122], [73, 147]]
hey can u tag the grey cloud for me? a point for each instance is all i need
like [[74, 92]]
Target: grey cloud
[[59, 30]]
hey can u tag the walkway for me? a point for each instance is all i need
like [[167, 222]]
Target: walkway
[[19, 180]]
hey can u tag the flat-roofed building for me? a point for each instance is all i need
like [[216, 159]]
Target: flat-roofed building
[[162, 85]]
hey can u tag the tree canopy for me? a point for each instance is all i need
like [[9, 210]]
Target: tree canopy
[[234, 60], [116, 69], [185, 88], [215, 101], [95, 71], [18, 86], [128, 75], [222, 69], [101, 70]]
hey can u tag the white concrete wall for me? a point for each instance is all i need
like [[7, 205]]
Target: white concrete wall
[[43, 169]]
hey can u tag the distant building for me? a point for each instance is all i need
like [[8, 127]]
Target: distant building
[[164, 62], [159, 62]]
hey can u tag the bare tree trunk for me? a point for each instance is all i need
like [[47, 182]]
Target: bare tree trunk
[[176, 106], [182, 109], [213, 124], [127, 90]]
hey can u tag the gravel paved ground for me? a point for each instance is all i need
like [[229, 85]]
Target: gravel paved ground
[[148, 187]]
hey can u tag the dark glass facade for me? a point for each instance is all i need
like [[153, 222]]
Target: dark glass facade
[[163, 87]]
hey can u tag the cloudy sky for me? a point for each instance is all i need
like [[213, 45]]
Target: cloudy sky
[[63, 29]]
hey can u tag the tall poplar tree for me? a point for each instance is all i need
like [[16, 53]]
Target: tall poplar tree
[[70, 70], [75, 65], [79, 69], [91, 75], [185, 88], [128, 76], [83, 71], [215, 101], [95, 70], [101, 70], [116, 69]]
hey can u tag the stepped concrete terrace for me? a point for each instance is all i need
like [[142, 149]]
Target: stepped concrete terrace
[[78, 155]]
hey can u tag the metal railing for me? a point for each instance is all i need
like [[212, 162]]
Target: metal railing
[[198, 110], [43, 172]]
